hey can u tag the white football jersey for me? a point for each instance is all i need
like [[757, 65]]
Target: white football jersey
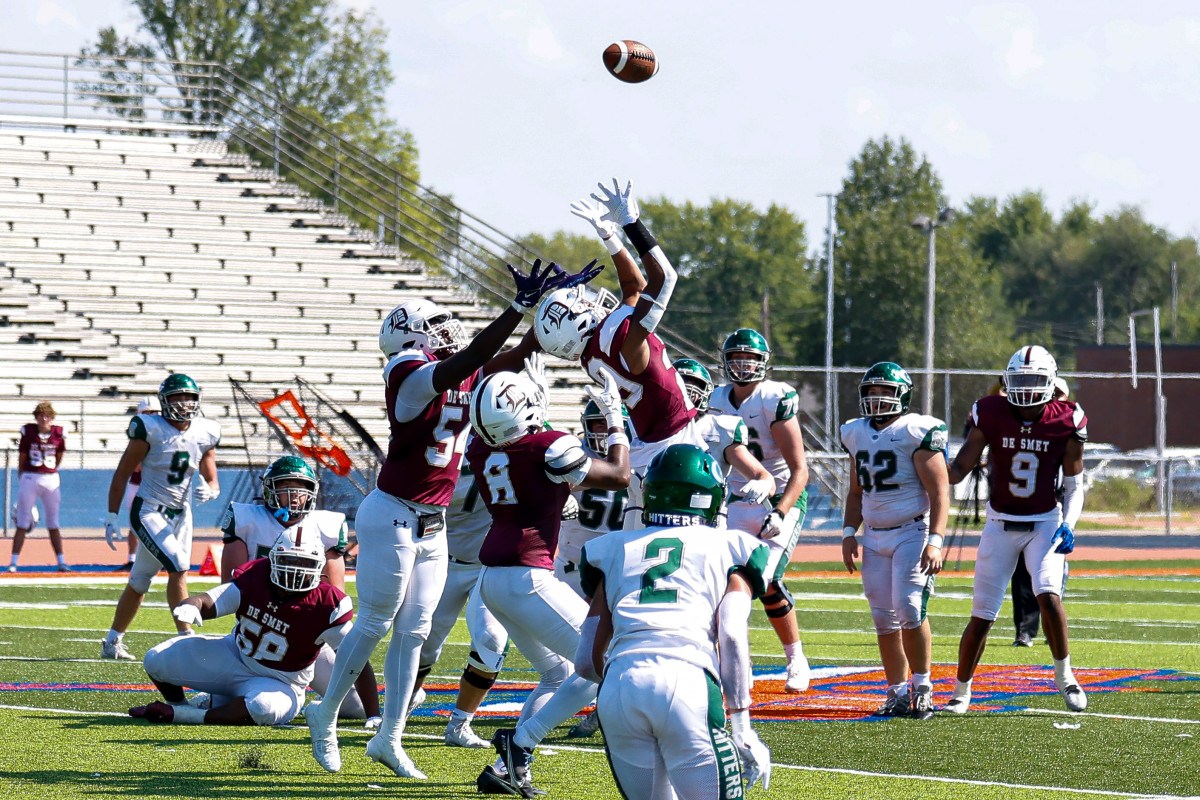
[[600, 511], [663, 586], [174, 456], [770, 402], [257, 526], [719, 432], [883, 460], [467, 520]]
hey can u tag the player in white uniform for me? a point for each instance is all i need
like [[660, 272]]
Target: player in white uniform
[[665, 600], [172, 449], [289, 502], [467, 523], [769, 409], [900, 487], [147, 405]]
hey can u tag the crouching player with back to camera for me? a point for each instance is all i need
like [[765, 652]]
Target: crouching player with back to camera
[[1030, 436], [525, 475], [289, 494], [900, 489], [256, 674], [173, 448], [668, 628]]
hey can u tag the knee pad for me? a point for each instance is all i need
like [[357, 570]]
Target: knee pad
[[885, 620], [140, 582], [778, 601], [487, 660], [554, 671], [376, 626], [473, 678], [272, 708]]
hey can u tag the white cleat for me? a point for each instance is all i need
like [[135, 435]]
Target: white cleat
[[324, 737], [116, 651], [200, 700], [461, 735], [957, 705], [1074, 696], [414, 702], [395, 759], [797, 676]]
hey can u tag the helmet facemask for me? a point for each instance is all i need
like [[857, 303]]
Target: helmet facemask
[[1029, 377], [180, 406], [290, 502], [566, 319], [296, 566], [597, 441], [446, 335], [880, 405]]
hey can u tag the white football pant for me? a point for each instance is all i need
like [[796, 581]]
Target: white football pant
[[34, 486], [489, 640], [893, 582], [166, 541], [748, 517], [997, 558], [352, 707]]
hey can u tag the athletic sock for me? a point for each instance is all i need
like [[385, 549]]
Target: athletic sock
[[114, 636], [920, 679], [13, 563], [460, 717], [1062, 671], [62, 561], [899, 689], [962, 688], [793, 651]]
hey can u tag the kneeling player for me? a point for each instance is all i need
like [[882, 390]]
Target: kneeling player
[[257, 673]]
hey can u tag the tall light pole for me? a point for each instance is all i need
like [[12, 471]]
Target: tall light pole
[[829, 398], [1160, 399], [924, 223]]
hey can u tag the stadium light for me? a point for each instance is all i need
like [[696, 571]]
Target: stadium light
[[929, 226], [1160, 400]]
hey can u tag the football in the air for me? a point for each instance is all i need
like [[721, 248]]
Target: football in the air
[[630, 61]]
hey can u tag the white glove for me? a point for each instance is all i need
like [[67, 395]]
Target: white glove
[[758, 491], [772, 525], [535, 368], [112, 529], [570, 508], [202, 492], [594, 214], [188, 614], [756, 757], [608, 398], [620, 206]]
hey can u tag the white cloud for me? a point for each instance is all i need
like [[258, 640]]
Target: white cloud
[[1021, 57], [49, 12]]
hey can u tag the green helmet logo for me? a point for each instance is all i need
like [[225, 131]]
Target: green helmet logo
[[173, 393], [696, 381], [293, 501], [745, 356], [598, 440], [683, 486], [896, 397]]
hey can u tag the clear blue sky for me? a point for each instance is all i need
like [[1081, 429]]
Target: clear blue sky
[[767, 102]]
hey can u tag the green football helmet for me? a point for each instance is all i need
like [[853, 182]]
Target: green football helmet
[[745, 356], [598, 441], [891, 376], [181, 408], [697, 382], [683, 486], [288, 503]]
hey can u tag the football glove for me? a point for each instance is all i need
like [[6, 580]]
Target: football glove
[[758, 491], [535, 368], [608, 399], [1065, 539], [605, 228], [202, 492], [620, 206], [188, 614], [584, 275], [570, 508], [531, 287], [756, 757], [112, 529], [772, 525]]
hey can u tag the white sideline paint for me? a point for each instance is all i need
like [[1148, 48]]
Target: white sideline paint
[[798, 767]]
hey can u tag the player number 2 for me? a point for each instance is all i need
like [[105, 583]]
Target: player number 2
[[495, 472], [673, 548], [1024, 472]]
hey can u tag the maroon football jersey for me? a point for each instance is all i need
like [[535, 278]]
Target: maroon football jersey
[[526, 506], [43, 451], [282, 634], [658, 405], [1026, 456], [424, 453]]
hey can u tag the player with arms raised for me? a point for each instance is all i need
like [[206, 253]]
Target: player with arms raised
[[577, 325], [900, 489], [666, 600], [1030, 436], [400, 525]]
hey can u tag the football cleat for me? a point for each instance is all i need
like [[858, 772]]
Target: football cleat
[[516, 762], [1023, 640], [201, 700], [64, 568], [157, 711], [394, 758], [797, 676], [116, 651], [586, 726], [414, 702], [1074, 696], [958, 705], [492, 782], [460, 734], [922, 703], [894, 705], [324, 737], [12, 568]]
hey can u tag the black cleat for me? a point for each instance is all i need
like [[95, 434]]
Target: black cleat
[[516, 761]]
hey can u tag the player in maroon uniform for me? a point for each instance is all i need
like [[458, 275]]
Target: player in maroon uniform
[[39, 454], [1030, 436], [255, 675], [401, 524], [571, 324], [525, 474]]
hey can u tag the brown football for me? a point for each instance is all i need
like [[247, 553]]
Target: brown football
[[630, 61]]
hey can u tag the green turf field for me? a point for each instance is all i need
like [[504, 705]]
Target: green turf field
[[64, 732]]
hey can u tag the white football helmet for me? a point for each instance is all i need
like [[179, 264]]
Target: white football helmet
[[566, 319], [296, 564], [506, 406], [149, 405], [421, 325], [1029, 376]]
